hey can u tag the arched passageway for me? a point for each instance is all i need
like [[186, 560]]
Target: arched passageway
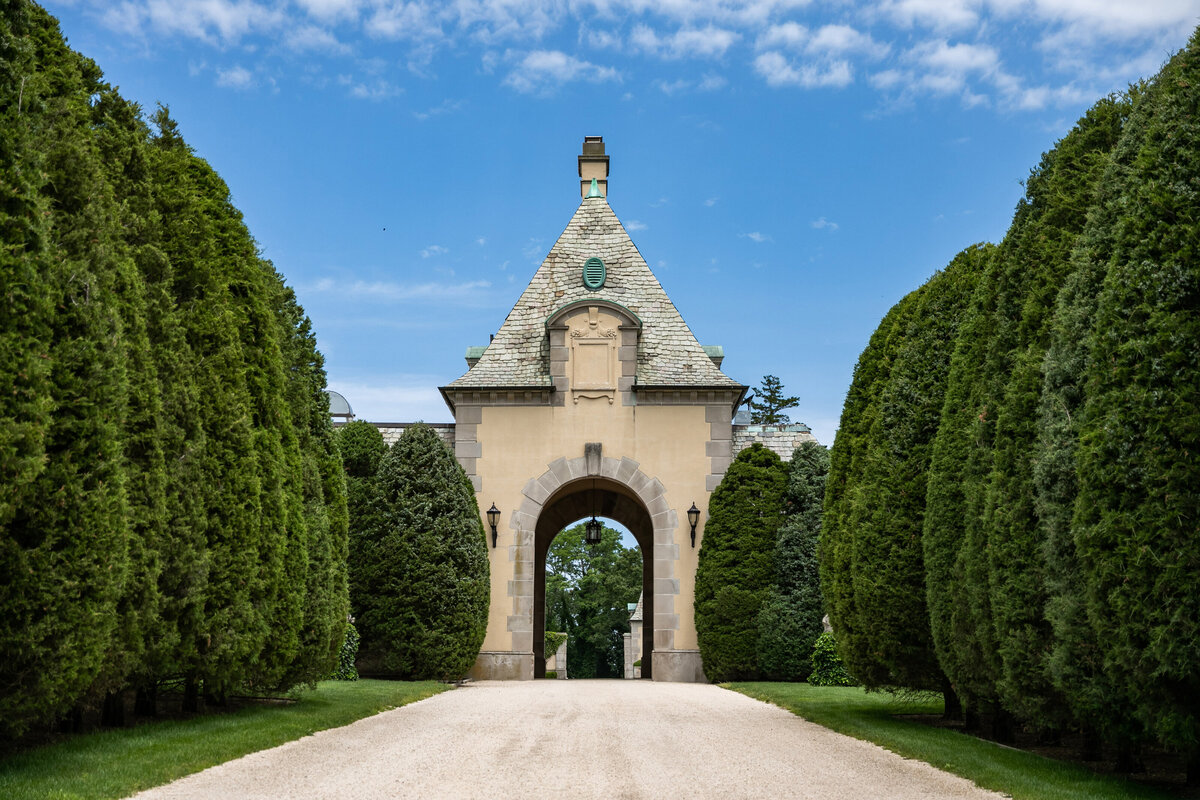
[[583, 498]]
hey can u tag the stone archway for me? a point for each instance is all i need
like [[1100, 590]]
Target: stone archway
[[563, 494], [575, 500]]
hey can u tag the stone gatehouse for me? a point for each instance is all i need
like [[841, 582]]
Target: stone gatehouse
[[595, 398]]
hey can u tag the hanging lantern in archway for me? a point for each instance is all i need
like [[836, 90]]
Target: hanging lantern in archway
[[592, 530]]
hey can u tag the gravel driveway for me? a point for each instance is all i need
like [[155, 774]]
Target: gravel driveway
[[569, 739]]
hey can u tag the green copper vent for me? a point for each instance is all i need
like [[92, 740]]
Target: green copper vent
[[594, 274]]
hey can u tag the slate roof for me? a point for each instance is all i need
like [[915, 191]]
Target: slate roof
[[668, 353]]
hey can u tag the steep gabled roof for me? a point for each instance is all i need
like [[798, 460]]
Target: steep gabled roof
[[668, 353]]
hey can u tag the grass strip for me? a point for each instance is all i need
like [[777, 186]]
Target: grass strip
[[871, 717], [118, 763]]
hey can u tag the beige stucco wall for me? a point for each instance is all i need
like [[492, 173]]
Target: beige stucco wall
[[518, 443]]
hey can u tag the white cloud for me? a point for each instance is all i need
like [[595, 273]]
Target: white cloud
[[542, 71], [331, 10], [235, 78], [836, 40], [710, 202], [777, 70], [311, 37], [378, 89], [434, 250], [941, 15], [755, 236], [824, 224], [790, 35], [708, 42], [711, 82], [207, 20], [635, 225], [467, 293], [408, 21], [445, 107]]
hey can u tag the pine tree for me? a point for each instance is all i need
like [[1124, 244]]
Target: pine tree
[[768, 402], [736, 562], [423, 584], [1135, 521], [789, 621], [888, 502]]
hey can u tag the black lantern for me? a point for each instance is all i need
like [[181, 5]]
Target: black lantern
[[493, 515], [592, 530], [693, 518]]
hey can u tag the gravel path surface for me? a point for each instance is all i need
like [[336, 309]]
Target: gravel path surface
[[569, 739]]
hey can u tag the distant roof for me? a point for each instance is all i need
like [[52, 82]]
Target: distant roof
[[338, 405], [636, 616], [668, 352]]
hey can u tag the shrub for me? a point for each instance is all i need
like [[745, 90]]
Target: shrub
[[790, 619], [553, 641], [827, 669], [422, 582], [551, 674], [736, 563], [346, 671]]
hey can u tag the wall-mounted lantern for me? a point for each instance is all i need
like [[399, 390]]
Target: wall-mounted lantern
[[693, 518], [493, 515]]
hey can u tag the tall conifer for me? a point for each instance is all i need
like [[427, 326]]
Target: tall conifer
[[1137, 511], [888, 500], [736, 562]]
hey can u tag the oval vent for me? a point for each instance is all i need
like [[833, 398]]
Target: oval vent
[[594, 274]]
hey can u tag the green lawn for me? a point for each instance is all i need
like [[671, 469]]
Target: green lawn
[[1024, 776], [117, 763]]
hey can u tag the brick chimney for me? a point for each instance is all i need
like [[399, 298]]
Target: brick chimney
[[593, 164]]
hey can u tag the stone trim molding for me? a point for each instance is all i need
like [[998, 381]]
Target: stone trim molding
[[649, 491]]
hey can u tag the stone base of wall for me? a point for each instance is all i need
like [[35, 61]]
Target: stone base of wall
[[678, 666], [502, 666]]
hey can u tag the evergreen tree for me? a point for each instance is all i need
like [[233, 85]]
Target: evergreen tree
[[790, 619], [768, 402], [736, 562], [326, 604], [64, 549], [424, 576], [361, 447], [1075, 661], [1036, 257], [888, 502], [837, 549], [1136, 517]]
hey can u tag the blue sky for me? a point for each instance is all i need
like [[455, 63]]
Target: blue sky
[[789, 169]]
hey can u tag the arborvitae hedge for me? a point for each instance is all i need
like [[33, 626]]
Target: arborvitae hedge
[[892, 643], [1036, 253], [1060, 533], [736, 562], [790, 619], [361, 447], [993, 590], [173, 505], [1137, 519], [837, 549], [423, 575]]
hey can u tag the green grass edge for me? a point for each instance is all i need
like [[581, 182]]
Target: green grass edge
[[120, 762], [871, 717]]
